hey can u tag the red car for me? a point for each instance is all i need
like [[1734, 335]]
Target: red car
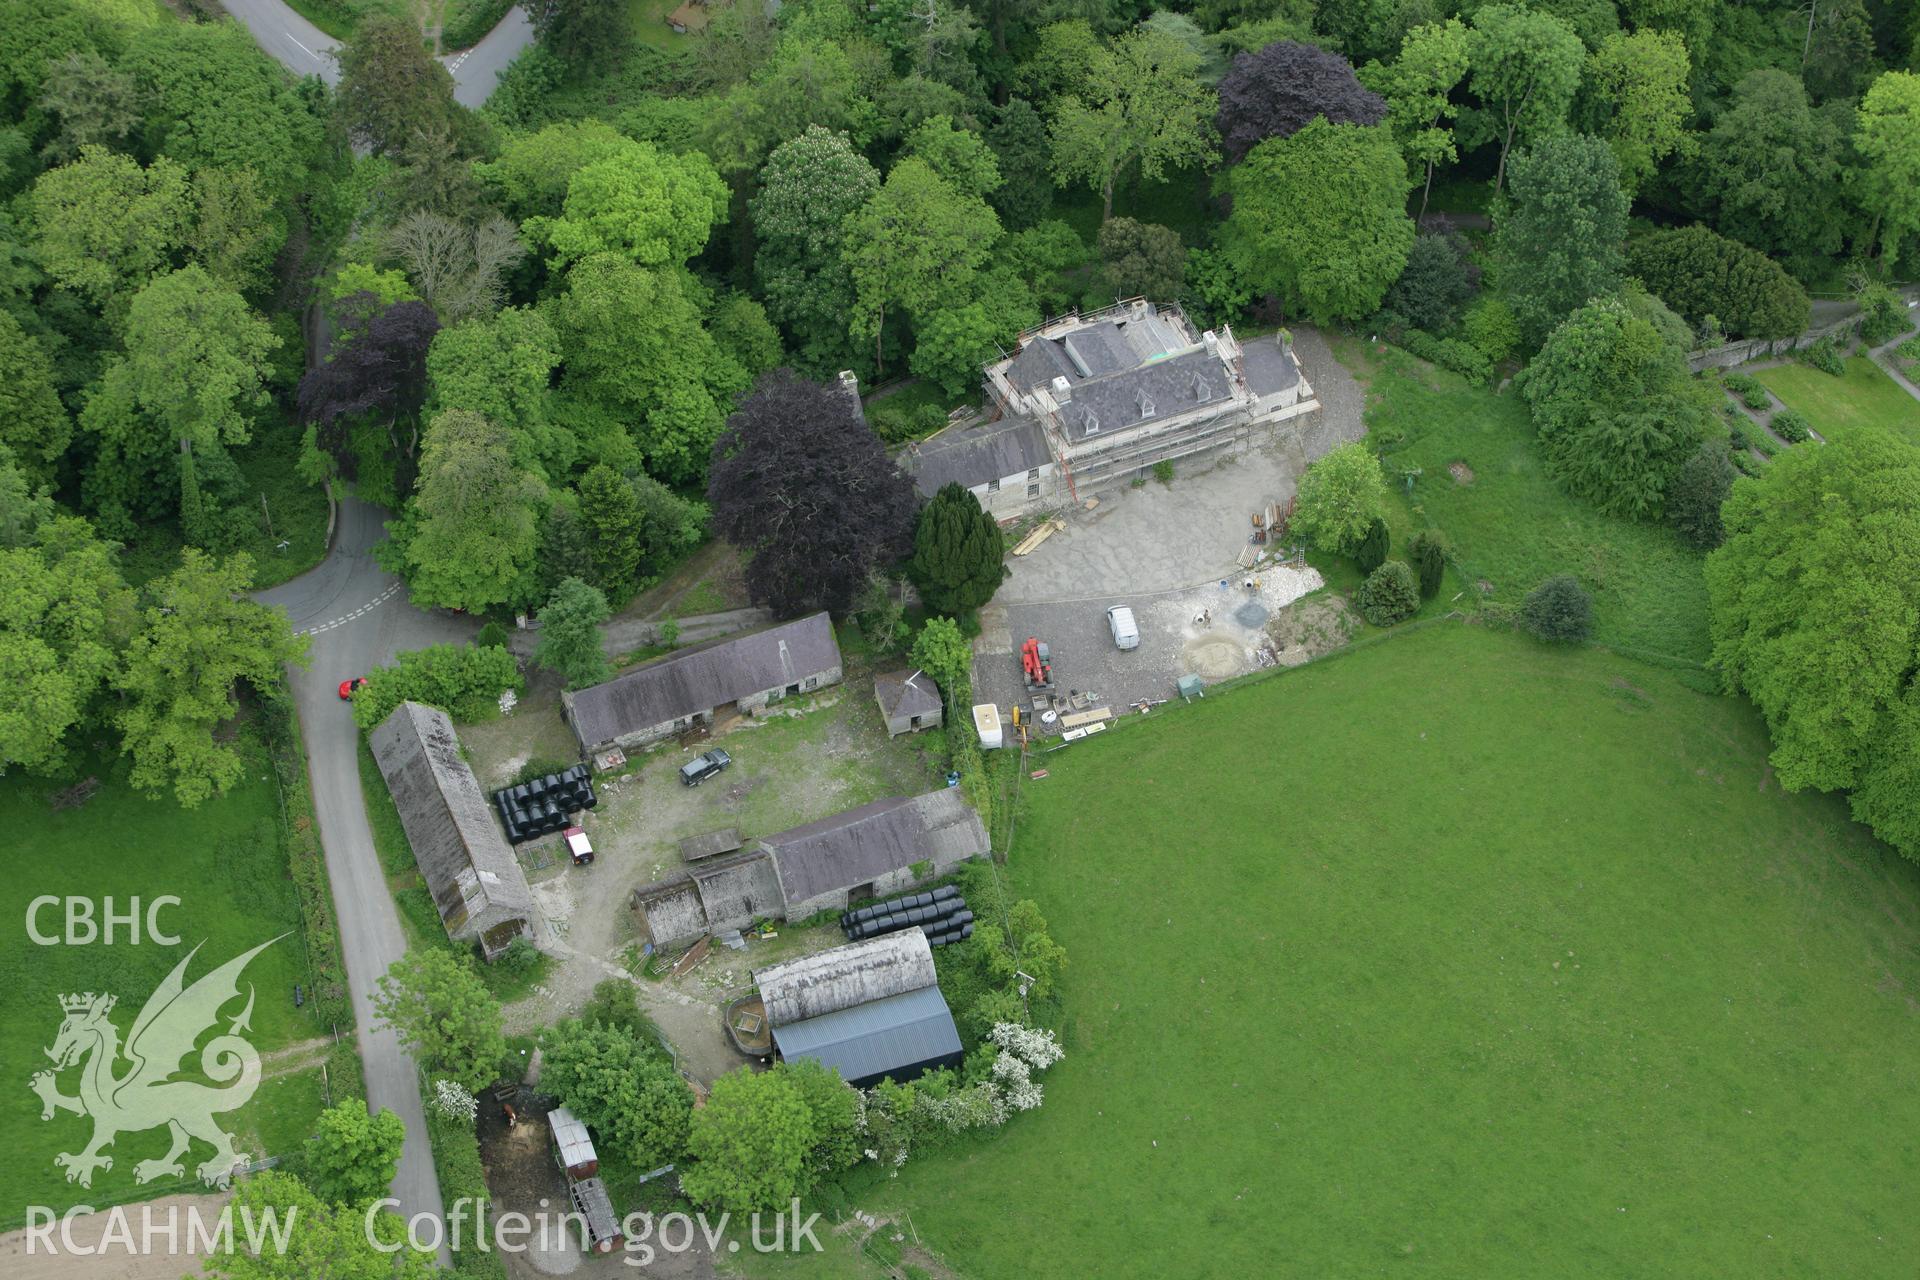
[[347, 687]]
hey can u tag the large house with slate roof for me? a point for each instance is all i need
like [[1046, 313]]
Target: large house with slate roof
[[1090, 402]]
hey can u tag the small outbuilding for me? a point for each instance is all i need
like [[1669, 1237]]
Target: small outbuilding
[[909, 701], [572, 1144], [595, 1207], [870, 1010]]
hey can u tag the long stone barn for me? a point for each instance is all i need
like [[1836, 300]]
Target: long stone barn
[[697, 685], [882, 848], [476, 883]]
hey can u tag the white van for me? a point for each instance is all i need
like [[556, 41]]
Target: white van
[[1126, 635]]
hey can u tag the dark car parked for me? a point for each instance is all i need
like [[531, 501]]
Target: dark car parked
[[700, 768]]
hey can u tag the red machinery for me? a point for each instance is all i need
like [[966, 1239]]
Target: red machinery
[[1037, 664]]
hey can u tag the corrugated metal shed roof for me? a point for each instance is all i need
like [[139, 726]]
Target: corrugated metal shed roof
[[899, 1034], [589, 1196], [842, 977], [570, 1136], [864, 844], [699, 679]]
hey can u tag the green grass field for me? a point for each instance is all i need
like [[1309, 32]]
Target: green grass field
[[1453, 956], [1508, 523], [226, 863], [1835, 406]]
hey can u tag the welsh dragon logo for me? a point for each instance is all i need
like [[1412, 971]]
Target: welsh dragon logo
[[145, 1096]]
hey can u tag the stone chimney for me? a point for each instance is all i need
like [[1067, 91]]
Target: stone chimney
[[1212, 340], [1062, 390], [850, 383]]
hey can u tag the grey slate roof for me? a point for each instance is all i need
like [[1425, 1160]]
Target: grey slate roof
[[702, 678], [972, 456], [906, 693], [1095, 350], [842, 977], [899, 1036], [863, 844], [1269, 369], [1161, 389], [672, 911], [1098, 350], [1038, 364], [474, 878], [736, 888]]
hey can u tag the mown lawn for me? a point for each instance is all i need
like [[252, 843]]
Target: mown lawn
[[1453, 956], [1508, 524], [1862, 395], [226, 863]]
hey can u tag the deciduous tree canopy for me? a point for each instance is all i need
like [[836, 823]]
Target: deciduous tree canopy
[[1816, 617], [800, 483], [1320, 219], [809, 187], [1609, 400], [1277, 91], [475, 517], [1559, 240], [200, 637]]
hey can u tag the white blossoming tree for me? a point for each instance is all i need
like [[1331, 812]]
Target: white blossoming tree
[[451, 1099]]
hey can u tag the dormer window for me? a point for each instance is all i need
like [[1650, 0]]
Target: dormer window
[[1202, 392], [1145, 402], [1090, 423]]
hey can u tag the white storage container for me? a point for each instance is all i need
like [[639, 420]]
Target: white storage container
[[986, 721]]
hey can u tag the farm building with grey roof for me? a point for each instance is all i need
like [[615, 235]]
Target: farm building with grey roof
[[688, 688], [476, 883], [869, 1010], [909, 701], [882, 848]]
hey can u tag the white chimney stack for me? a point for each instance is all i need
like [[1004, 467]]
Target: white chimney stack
[[850, 383], [1062, 389]]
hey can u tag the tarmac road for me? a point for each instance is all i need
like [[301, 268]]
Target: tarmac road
[[301, 46], [307, 51], [359, 617]]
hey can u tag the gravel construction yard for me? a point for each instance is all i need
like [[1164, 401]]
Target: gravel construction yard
[[1213, 632], [811, 758]]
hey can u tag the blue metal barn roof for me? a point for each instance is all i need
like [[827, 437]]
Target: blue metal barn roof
[[898, 1036]]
